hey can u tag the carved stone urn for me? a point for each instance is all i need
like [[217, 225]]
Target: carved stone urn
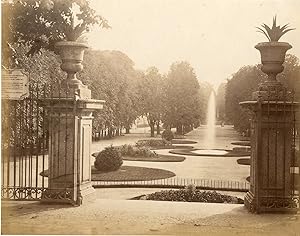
[[272, 59], [71, 54]]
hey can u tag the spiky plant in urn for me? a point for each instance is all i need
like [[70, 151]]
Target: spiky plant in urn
[[272, 55], [79, 18]]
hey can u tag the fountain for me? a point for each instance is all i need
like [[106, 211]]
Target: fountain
[[210, 121], [208, 144]]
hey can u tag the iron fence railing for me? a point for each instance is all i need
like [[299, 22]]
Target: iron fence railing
[[207, 184]]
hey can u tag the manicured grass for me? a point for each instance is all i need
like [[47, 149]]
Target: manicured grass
[[190, 152], [131, 173], [171, 147], [159, 158], [244, 161], [242, 143], [180, 141]]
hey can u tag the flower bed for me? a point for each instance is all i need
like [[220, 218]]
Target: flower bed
[[190, 194]]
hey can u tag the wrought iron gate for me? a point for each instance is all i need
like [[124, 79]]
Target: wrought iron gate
[[24, 146]]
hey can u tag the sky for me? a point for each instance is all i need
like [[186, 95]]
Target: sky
[[217, 37]]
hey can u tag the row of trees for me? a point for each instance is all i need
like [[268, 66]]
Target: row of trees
[[175, 99], [246, 80]]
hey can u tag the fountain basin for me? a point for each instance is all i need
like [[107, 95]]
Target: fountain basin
[[214, 152], [210, 152]]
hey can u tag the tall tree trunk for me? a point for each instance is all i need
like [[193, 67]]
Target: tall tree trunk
[[157, 127], [152, 129], [127, 130], [179, 129]]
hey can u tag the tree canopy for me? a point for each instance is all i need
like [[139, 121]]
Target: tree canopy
[[183, 105], [41, 23]]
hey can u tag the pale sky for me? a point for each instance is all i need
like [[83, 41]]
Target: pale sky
[[216, 37]]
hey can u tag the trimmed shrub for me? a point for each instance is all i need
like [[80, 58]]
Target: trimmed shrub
[[136, 151], [145, 152], [153, 143], [167, 135], [127, 150], [109, 159]]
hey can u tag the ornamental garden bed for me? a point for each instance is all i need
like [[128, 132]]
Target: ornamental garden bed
[[127, 173], [210, 152], [131, 173], [190, 194], [159, 158], [244, 161], [180, 141], [163, 144], [241, 143], [143, 153]]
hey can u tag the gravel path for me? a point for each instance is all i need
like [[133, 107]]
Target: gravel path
[[143, 217]]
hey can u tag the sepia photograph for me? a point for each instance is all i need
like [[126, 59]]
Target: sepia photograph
[[150, 117]]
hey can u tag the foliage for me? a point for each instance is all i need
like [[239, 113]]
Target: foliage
[[151, 89], [220, 100], [183, 98], [240, 88], [167, 135], [109, 159], [153, 143], [136, 151], [275, 33], [111, 76], [42, 23], [191, 194]]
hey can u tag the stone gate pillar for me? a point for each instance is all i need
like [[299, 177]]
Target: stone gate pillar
[[273, 171], [69, 110]]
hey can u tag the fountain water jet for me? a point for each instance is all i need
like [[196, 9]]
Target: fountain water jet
[[210, 121]]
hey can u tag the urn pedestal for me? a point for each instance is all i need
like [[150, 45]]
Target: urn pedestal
[[274, 168], [70, 117]]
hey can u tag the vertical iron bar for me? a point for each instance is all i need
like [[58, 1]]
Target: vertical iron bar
[[51, 140], [8, 155], [26, 141], [268, 140], [37, 143], [59, 126], [292, 186], [44, 139], [66, 137], [21, 157], [285, 132], [30, 134], [276, 135], [16, 142]]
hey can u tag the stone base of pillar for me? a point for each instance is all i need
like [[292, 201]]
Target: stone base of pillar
[[269, 204], [249, 203], [59, 196], [86, 194]]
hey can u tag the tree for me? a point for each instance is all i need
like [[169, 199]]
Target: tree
[[239, 88], [41, 23], [220, 99], [151, 94], [182, 106], [111, 77]]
